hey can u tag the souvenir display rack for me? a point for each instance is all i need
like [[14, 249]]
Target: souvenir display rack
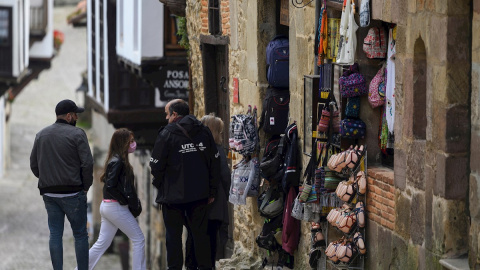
[[358, 260]]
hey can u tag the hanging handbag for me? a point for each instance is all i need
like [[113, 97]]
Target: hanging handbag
[[352, 83], [306, 188], [270, 202], [353, 107], [374, 97], [324, 121], [353, 128], [297, 209]]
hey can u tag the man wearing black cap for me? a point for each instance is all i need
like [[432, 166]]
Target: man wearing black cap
[[62, 161]]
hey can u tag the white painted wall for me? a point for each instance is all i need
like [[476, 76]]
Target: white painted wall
[[89, 48], [2, 135], [153, 29], [44, 48], [105, 61], [139, 30], [98, 48], [20, 33]]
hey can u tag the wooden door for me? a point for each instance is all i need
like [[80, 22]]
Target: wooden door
[[217, 98]]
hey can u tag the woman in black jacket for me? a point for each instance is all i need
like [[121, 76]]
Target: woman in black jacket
[[120, 203], [218, 213]]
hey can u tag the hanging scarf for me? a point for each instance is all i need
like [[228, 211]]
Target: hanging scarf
[[333, 26], [384, 131], [322, 44]]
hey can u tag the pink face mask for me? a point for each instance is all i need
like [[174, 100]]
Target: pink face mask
[[132, 147]]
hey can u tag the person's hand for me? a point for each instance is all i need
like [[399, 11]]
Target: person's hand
[[210, 200]]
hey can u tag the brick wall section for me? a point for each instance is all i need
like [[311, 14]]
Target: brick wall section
[[204, 17], [381, 197], [224, 17]]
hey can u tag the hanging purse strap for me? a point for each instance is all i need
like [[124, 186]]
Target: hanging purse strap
[[196, 147]]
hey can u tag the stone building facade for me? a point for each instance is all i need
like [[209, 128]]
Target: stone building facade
[[425, 209], [474, 163]]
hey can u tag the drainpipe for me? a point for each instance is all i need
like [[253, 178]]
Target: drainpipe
[[143, 158]]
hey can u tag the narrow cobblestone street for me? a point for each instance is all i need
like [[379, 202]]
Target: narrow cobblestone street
[[23, 224]]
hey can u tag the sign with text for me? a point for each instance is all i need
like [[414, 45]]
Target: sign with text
[[235, 90], [172, 83]]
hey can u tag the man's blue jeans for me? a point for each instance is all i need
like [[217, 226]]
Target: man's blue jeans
[[75, 208]]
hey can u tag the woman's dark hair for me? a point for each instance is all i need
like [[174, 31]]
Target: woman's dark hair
[[119, 146], [180, 107]]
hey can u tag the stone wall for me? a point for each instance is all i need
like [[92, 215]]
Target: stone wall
[[474, 243], [194, 13], [431, 157], [419, 215]]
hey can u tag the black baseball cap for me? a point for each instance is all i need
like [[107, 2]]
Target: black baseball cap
[[67, 106]]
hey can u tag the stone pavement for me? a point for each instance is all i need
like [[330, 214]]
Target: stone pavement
[[23, 219]]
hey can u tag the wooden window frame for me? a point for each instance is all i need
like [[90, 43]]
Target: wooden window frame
[[214, 18]]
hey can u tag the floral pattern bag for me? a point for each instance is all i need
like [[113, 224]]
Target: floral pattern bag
[[353, 128], [374, 97], [352, 83]]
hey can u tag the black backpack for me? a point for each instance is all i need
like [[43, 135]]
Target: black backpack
[[271, 165], [274, 118], [267, 238]]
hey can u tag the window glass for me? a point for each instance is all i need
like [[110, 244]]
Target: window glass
[[4, 27]]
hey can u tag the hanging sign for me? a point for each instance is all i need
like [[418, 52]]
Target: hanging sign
[[235, 90]]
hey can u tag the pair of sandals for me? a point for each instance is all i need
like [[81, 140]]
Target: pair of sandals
[[349, 158], [318, 242], [346, 218], [343, 218], [360, 243], [342, 250], [346, 190]]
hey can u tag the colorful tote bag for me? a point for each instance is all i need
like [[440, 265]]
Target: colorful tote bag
[[374, 97], [352, 85]]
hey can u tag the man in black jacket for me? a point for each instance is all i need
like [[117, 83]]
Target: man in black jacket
[[62, 161], [185, 166]]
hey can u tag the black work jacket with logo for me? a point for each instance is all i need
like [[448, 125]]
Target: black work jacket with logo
[[181, 174]]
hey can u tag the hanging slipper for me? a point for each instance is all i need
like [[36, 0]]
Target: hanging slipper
[[346, 190], [341, 161], [332, 216], [331, 251], [360, 213], [360, 242], [361, 183], [347, 223], [313, 257], [346, 251], [318, 240], [354, 157]]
